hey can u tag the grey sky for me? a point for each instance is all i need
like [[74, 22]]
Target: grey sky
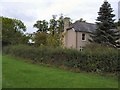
[[29, 11], [119, 10]]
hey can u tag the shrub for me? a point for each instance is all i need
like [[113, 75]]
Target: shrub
[[98, 59]]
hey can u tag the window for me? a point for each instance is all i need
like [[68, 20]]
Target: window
[[83, 37], [81, 48]]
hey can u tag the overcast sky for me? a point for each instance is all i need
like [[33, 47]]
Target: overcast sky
[[29, 11]]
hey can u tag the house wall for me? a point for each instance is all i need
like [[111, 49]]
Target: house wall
[[73, 39], [80, 42], [70, 39]]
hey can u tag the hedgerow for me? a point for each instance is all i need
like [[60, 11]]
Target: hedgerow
[[99, 59]]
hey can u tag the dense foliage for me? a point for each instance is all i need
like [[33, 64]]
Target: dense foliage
[[100, 60], [13, 31], [42, 26], [40, 38], [52, 31]]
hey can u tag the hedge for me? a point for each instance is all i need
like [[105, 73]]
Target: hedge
[[97, 59]]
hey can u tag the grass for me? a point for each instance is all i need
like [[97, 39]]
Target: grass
[[0, 70], [20, 74]]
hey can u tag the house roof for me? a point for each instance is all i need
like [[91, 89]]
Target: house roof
[[83, 27]]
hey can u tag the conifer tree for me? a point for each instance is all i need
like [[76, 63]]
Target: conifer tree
[[106, 32]]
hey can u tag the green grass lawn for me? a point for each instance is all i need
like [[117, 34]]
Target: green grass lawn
[[0, 70], [20, 74]]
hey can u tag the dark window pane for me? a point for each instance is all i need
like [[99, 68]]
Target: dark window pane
[[83, 36]]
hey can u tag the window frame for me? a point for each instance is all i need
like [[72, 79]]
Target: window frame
[[83, 37]]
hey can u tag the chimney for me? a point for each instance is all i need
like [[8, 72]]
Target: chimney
[[66, 23], [105, 1], [119, 10]]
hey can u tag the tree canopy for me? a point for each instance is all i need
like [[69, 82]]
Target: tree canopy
[[54, 26], [41, 25], [13, 31]]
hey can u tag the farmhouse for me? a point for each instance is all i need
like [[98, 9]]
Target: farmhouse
[[77, 34]]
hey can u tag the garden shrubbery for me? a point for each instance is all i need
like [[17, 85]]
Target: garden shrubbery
[[97, 58]]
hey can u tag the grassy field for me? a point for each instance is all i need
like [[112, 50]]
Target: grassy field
[[0, 70], [20, 74]]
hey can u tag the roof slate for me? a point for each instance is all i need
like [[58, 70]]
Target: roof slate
[[83, 27]]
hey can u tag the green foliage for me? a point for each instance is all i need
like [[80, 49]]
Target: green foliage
[[105, 32], [53, 26], [42, 26], [60, 24], [53, 41], [12, 31], [93, 59], [53, 38], [40, 38]]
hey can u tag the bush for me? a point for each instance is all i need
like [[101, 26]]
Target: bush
[[98, 59]]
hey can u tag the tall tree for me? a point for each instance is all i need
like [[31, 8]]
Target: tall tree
[[41, 25], [105, 32], [41, 35], [56, 27], [13, 31], [53, 25], [60, 29], [60, 24]]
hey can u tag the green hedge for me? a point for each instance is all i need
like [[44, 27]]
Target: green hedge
[[97, 59]]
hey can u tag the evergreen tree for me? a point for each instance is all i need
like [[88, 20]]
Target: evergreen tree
[[118, 24], [106, 32]]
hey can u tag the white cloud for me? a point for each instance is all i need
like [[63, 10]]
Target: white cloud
[[30, 11]]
